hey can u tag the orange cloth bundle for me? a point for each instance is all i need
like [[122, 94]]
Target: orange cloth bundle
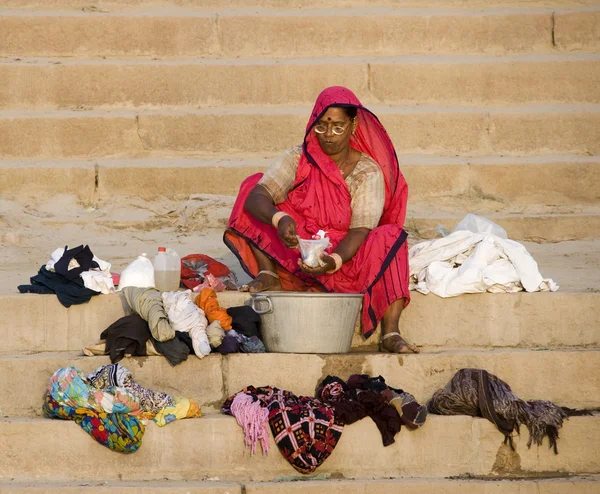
[[208, 302]]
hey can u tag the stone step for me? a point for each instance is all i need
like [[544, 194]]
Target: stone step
[[575, 381], [571, 485], [526, 130], [366, 31], [38, 323], [255, 5], [213, 446], [525, 181], [430, 80]]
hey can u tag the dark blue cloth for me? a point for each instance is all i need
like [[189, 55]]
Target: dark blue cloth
[[68, 292]]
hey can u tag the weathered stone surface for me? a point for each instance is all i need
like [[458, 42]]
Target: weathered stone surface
[[577, 30], [562, 180], [213, 446], [284, 4], [30, 179], [479, 82], [74, 135], [158, 487], [390, 34], [535, 228], [101, 34], [440, 131], [427, 486], [198, 34]]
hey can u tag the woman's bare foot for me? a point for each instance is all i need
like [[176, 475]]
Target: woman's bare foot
[[263, 282], [394, 343]]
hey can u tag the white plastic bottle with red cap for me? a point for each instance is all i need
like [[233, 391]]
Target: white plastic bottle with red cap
[[167, 270]]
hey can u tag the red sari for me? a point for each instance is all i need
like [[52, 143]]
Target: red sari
[[320, 199]]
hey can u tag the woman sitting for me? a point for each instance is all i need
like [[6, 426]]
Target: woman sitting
[[345, 180]]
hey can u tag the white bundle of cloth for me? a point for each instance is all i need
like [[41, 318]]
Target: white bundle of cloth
[[184, 315], [477, 259], [97, 279]]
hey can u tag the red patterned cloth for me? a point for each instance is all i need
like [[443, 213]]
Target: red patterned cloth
[[320, 199], [196, 267], [305, 429]]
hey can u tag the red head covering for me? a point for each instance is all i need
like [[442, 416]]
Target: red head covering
[[370, 138]]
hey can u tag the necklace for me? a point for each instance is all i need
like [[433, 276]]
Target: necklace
[[341, 166]]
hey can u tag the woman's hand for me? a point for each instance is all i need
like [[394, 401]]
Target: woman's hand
[[318, 271], [287, 232]]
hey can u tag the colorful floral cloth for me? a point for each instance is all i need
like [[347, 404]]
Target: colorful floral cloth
[[184, 408], [107, 415], [108, 404], [115, 375]]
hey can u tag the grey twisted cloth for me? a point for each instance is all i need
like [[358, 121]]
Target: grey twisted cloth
[[148, 303], [477, 393]]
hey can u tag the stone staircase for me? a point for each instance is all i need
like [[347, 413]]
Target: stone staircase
[[131, 108]]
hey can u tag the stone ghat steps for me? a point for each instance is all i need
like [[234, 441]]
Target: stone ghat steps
[[552, 179], [361, 31], [425, 80], [298, 5], [566, 377], [213, 446], [437, 130], [570, 485], [38, 323]]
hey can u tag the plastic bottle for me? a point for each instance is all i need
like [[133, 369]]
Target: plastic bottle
[[167, 270]]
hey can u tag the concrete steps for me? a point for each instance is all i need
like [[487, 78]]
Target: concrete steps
[[570, 485], [39, 84], [210, 381], [527, 130], [297, 5], [575, 485], [213, 447], [135, 109], [552, 179], [38, 323], [360, 31]]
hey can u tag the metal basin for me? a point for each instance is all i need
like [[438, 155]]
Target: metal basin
[[298, 322]]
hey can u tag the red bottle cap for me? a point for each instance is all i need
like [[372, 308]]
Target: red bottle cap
[[162, 249]]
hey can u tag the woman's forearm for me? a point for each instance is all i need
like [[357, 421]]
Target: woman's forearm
[[350, 244], [260, 204]]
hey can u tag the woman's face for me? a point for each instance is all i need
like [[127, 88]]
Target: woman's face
[[334, 119]]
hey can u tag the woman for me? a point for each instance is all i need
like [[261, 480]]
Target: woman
[[344, 179]]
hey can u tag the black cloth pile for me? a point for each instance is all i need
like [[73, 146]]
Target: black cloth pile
[[477, 393], [246, 337], [130, 335], [68, 291], [363, 396], [65, 283]]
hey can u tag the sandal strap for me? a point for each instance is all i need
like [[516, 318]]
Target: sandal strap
[[389, 335], [270, 273]]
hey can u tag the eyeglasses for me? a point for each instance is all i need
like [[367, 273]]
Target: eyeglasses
[[337, 130]]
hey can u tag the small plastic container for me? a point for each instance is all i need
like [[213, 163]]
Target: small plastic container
[[167, 270]]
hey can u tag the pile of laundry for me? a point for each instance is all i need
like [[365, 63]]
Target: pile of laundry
[[73, 275], [476, 257], [110, 406], [177, 324], [306, 430]]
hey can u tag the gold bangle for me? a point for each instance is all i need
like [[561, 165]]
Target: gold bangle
[[277, 218], [338, 263]]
